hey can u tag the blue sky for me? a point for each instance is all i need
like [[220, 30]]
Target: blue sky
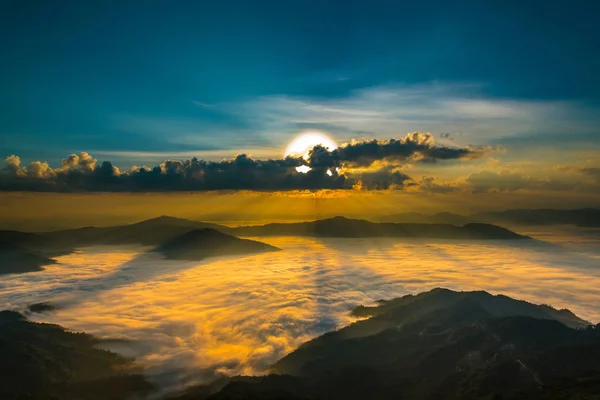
[[137, 80]]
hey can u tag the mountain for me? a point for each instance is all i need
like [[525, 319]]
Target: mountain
[[44, 361], [496, 305], [418, 218], [15, 259], [157, 231], [431, 312], [34, 242], [150, 232], [439, 344], [346, 227], [585, 217], [203, 243]]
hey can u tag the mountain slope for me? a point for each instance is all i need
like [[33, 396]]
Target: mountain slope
[[584, 217], [437, 345], [15, 259], [428, 312], [418, 218], [156, 231], [203, 243], [149, 232], [346, 227], [35, 242], [43, 361], [495, 305]]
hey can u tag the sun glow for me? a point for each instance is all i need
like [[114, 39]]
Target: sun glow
[[303, 169], [303, 143]]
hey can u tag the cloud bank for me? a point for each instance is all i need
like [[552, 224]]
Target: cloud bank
[[188, 322], [359, 164]]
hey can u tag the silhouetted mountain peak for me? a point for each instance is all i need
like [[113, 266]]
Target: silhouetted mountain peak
[[341, 218], [359, 228], [208, 242], [441, 298], [166, 219], [436, 290], [150, 232], [338, 219], [443, 344], [8, 316]]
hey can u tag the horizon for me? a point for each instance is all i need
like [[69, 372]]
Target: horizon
[[228, 222]]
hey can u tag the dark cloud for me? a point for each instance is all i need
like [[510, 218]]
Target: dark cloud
[[415, 146], [371, 165], [381, 179]]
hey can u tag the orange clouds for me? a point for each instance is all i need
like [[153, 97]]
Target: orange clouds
[[238, 315]]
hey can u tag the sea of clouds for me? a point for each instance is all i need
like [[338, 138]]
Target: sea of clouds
[[189, 322]]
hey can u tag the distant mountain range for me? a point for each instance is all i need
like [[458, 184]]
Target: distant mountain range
[[151, 232], [439, 344], [585, 217], [174, 237], [359, 228], [184, 239], [156, 231]]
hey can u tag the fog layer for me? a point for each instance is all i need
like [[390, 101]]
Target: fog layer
[[189, 321]]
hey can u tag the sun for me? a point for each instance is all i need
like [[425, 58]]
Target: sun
[[304, 142]]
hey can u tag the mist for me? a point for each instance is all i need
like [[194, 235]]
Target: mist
[[189, 322]]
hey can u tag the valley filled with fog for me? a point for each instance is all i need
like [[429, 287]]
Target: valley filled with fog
[[187, 322]]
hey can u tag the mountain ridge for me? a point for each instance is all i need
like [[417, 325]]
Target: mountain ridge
[[582, 217], [208, 242], [154, 231], [439, 344], [16, 259], [356, 228]]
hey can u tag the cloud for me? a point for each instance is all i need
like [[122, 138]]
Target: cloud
[[432, 184], [387, 177], [417, 145], [365, 164], [187, 322], [566, 179], [13, 165], [460, 111]]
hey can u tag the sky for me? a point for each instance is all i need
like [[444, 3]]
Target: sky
[[136, 83]]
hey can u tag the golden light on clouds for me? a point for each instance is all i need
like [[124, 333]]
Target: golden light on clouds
[[237, 315]]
